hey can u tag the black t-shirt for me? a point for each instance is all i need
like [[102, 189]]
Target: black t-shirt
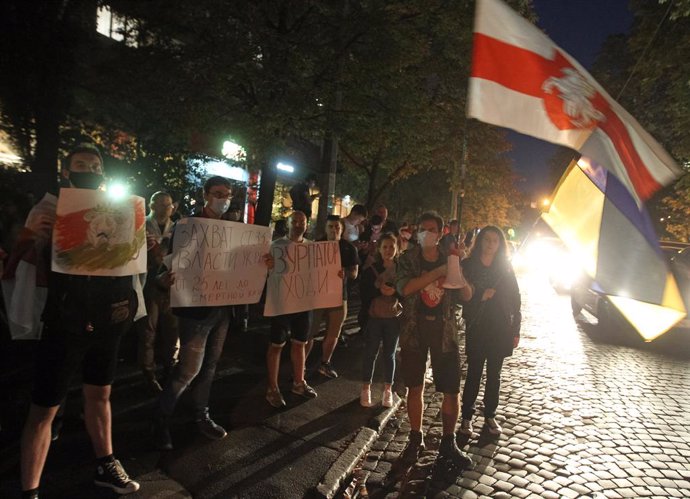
[[432, 294]]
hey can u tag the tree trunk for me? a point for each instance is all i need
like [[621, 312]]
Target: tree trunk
[[45, 165], [266, 193]]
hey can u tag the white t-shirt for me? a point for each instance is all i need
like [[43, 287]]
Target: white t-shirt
[[351, 233]]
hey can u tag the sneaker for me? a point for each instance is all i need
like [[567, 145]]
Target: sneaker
[[208, 428], [494, 427], [160, 434], [387, 398], [114, 476], [450, 457], [304, 390], [466, 427], [414, 449], [326, 370], [275, 398], [365, 397]]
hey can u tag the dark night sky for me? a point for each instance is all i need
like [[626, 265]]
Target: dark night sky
[[579, 27]]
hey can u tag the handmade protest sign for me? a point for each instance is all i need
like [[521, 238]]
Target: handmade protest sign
[[97, 235], [218, 262], [304, 277]]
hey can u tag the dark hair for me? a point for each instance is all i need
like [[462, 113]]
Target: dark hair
[[501, 257], [214, 181], [375, 220], [84, 147], [311, 177], [333, 218], [359, 209], [432, 215]]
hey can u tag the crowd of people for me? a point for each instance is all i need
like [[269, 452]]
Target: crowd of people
[[409, 312]]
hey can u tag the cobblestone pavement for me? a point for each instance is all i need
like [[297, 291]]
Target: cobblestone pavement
[[580, 419]]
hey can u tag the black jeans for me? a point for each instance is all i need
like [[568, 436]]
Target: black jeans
[[475, 367]]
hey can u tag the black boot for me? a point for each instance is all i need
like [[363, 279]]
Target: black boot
[[415, 447], [207, 427], [450, 457]]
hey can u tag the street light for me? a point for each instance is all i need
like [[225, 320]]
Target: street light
[[285, 167]]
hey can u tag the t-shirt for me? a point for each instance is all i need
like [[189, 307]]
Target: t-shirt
[[351, 232], [348, 258], [432, 294]]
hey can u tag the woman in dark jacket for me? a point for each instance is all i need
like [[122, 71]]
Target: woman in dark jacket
[[492, 319]]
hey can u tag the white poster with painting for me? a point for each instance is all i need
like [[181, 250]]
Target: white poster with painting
[[96, 234]]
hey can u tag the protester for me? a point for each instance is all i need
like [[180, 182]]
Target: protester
[[451, 240], [387, 225], [301, 195], [492, 319], [202, 336], [383, 326], [429, 326], [335, 316], [83, 321], [404, 236], [158, 333], [353, 223], [295, 326], [368, 240]]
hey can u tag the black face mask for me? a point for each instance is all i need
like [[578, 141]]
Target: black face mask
[[86, 180]]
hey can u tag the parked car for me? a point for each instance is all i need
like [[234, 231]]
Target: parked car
[[585, 296]]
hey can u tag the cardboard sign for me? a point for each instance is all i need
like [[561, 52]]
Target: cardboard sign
[[304, 277], [218, 262], [95, 234]]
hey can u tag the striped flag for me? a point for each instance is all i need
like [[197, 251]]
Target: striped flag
[[615, 243], [521, 80]]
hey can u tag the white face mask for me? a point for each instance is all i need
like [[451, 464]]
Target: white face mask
[[220, 206], [426, 239]]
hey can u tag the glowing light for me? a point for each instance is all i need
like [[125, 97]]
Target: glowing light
[[117, 190], [285, 167], [233, 151], [545, 202]]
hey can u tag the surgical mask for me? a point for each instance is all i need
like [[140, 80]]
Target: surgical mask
[[426, 239], [86, 180], [220, 206]]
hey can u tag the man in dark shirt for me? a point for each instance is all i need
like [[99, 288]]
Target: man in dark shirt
[[428, 327], [335, 316], [83, 321], [302, 197]]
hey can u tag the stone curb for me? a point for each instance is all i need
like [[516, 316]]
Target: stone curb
[[356, 450]]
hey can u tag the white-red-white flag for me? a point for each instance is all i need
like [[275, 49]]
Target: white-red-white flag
[[521, 80]]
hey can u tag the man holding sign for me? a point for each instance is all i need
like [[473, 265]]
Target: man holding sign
[[202, 335], [295, 324], [84, 319]]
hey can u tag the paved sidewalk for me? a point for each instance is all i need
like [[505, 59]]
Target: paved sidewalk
[[304, 450], [580, 419]]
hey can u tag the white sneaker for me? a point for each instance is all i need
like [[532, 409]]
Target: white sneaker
[[466, 427], [387, 398], [365, 397], [494, 427]]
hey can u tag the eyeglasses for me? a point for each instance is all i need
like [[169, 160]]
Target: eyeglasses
[[220, 195]]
